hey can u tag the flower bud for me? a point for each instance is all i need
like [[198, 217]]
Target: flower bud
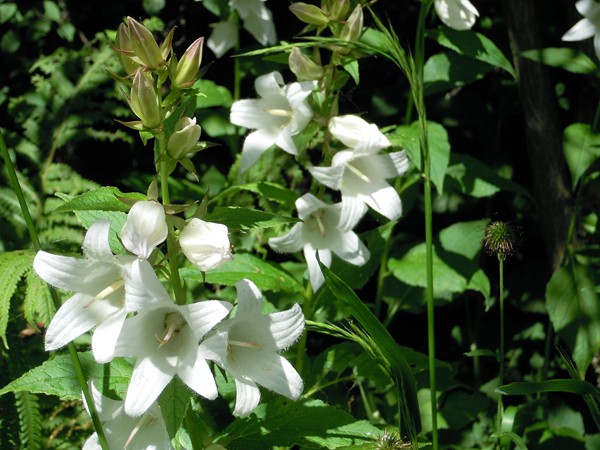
[[189, 65], [122, 45], [353, 27], [144, 45], [310, 14], [145, 228], [205, 244], [303, 67], [144, 101], [337, 9], [184, 138]]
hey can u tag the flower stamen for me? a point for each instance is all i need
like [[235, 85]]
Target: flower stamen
[[280, 112], [173, 324], [358, 173], [145, 420], [106, 292]]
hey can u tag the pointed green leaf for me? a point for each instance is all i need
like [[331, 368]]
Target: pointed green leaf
[[238, 218], [579, 387], [174, 401], [568, 59], [581, 148], [101, 199], [447, 71]]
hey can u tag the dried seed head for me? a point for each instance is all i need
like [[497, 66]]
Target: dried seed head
[[500, 239], [392, 441]]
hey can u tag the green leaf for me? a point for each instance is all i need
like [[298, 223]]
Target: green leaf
[[266, 275], [574, 309], [581, 148], [37, 304], [579, 387], [30, 420], [387, 348], [116, 218], [568, 59], [52, 11], [239, 218], [311, 424], [174, 401], [57, 377], [101, 199], [212, 94], [13, 265], [407, 137], [474, 45], [153, 7], [266, 189], [7, 11], [447, 71]]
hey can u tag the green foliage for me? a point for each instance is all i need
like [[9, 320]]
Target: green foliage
[[581, 147], [569, 59], [30, 420]]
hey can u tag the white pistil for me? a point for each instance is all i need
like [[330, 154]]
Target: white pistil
[[280, 112], [174, 322], [106, 292], [358, 173]]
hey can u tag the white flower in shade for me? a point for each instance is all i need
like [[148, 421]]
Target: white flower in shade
[[147, 432], [281, 112], [588, 26], [360, 173], [257, 20], [164, 337], [99, 295], [248, 347], [145, 228], [319, 233], [205, 244], [457, 14]]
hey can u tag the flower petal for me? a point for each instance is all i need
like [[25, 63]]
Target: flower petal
[[457, 14], [146, 384], [145, 228], [284, 141], [223, 38], [353, 209], [269, 85], [350, 248], [286, 326], [385, 201], [77, 315], [199, 377], [290, 242], [583, 29], [104, 339], [250, 299], [247, 397], [329, 176], [203, 316], [142, 287], [314, 271], [255, 145], [96, 244]]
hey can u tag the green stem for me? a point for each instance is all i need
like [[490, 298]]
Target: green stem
[[12, 175], [307, 309], [501, 373], [596, 119], [418, 94]]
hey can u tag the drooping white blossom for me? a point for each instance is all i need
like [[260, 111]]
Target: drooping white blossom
[[248, 345], [205, 244], [99, 297], [144, 229], [319, 233], [588, 26], [164, 337], [147, 432], [282, 111], [457, 14], [360, 172], [257, 20]]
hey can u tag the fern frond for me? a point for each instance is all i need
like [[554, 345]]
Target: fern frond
[[37, 303], [13, 266], [30, 420]]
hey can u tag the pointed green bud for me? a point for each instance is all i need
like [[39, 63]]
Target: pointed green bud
[[310, 14], [336, 9], [123, 47], [144, 45], [166, 47], [303, 67], [189, 65], [184, 138], [144, 101], [353, 27]]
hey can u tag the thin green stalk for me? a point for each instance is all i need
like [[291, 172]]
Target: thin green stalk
[[501, 373], [423, 137], [12, 175], [307, 309]]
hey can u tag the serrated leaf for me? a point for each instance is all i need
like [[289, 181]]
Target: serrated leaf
[[57, 377], [407, 137], [581, 148], [13, 266], [174, 401], [447, 71], [238, 218], [569, 59], [116, 218], [266, 275], [312, 424], [474, 45], [266, 189], [101, 199]]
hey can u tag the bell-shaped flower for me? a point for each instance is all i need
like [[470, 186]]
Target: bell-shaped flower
[[147, 432], [457, 14], [223, 37], [205, 244], [144, 229], [164, 337], [282, 111], [588, 26], [248, 347], [99, 297], [360, 172], [319, 233]]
